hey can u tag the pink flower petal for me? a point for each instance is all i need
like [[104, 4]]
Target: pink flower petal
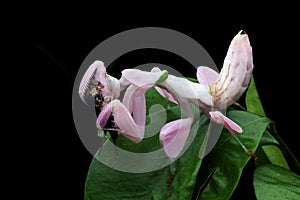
[[124, 83], [233, 125], [173, 136], [139, 107], [103, 116], [166, 94], [125, 122], [206, 75], [127, 99], [144, 79], [134, 100], [219, 118], [181, 87]]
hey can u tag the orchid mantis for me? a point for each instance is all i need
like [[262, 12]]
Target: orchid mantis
[[212, 94]]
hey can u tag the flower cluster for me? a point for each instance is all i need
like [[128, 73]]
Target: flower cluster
[[211, 94]]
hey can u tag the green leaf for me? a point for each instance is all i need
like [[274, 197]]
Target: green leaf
[[154, 98], [103, 182], [185, 173], [267, 139], [151, 143], [175, 181], [275, 156], [253, 102], [270, 153], [222, 167], [276, 183]]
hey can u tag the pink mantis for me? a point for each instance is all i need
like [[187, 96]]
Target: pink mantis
[[213, 93]]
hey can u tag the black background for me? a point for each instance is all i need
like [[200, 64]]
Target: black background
[[61, 45]]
